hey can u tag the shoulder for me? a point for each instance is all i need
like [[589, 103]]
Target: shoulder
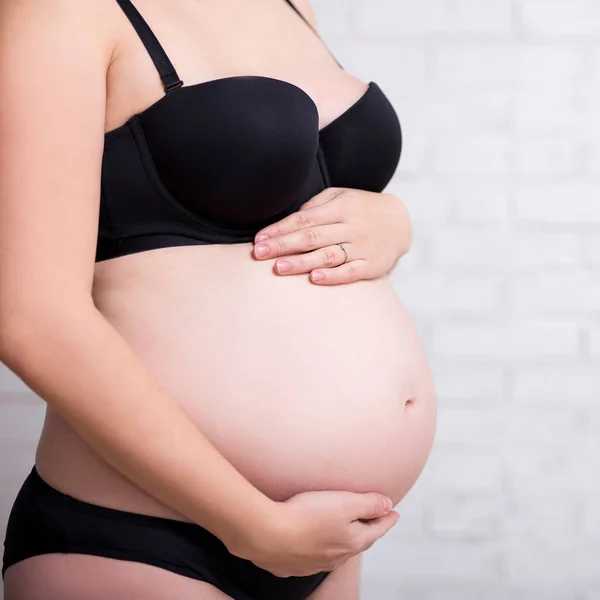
[[305, 7], [54, 59], [73, 21]]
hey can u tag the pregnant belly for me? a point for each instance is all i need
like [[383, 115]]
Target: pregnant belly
[[301, 387]]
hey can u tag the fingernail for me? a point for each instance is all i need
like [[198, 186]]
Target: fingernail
[[388, 504], [261, 237], [317, 276], [283, 266], [261, 250]]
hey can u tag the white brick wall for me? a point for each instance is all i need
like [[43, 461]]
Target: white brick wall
[[499, 105], [501, 172]]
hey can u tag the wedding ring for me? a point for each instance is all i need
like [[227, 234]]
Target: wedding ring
[[345, 253]]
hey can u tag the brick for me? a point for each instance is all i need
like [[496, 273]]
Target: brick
[[370, 61], [574, 203], [572, 384], [464, 248], [560, 112], [412, 261], [495, 66], [469, 384], [476, 202], [528, 427], [21, 423], [371, 589], [465, 201], [389, 17], [594, 341], [464, 111], [530, 513], [591, 519], [549, 66], [548, 155], [569, 292], [332, 16], [437, 292], [594, 250], [552, 17], [594, 160], [511, 342], [413, 563], [412, 517], [500, 592], [9, 382], [450, 470], [470, 426], [558, 472], [474, 155], [539, 249], [415, 155], [569, 566], [589, 119], [467, 517], [593, 75], [595, 62], [509, 66], [425, 201]]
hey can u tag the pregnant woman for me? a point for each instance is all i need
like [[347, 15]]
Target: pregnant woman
[[194, 250]]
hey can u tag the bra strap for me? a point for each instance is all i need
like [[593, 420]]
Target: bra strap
[[316, 32], [159, 57], [299, 13]]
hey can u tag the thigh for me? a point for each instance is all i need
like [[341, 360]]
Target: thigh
[[85, 577], [343, 583]]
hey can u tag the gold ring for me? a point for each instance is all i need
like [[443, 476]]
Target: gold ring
[[345, 253]]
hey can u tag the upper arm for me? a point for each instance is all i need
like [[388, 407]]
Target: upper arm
[[53, 66]]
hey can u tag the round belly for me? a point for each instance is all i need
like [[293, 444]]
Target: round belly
[[301, 387]]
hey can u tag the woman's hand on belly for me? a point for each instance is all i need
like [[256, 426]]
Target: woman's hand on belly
[[373, 228], [314, 532]]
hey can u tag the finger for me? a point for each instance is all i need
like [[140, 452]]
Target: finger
[[370, 505], [374, 529], [317, 214], [353, 270], [323, 197], [304, 240], [330, 256]]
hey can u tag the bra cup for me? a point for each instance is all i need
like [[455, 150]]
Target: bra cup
[[363, 146], [236, 151]]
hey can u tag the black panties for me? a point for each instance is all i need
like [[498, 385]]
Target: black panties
[[43, 520]]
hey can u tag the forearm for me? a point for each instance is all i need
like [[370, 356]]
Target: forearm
[[77, 361]]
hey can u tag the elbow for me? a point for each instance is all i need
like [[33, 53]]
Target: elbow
[[9, 328], [20, 328], [16, 331]]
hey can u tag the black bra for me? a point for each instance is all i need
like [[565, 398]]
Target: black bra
[[214, 162]]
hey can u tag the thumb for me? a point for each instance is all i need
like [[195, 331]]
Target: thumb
[[369, 506], [372, 530]]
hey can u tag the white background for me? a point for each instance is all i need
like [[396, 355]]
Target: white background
[[500, 105], [499, 102]]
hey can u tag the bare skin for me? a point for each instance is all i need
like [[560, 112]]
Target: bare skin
[[287, 385]]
